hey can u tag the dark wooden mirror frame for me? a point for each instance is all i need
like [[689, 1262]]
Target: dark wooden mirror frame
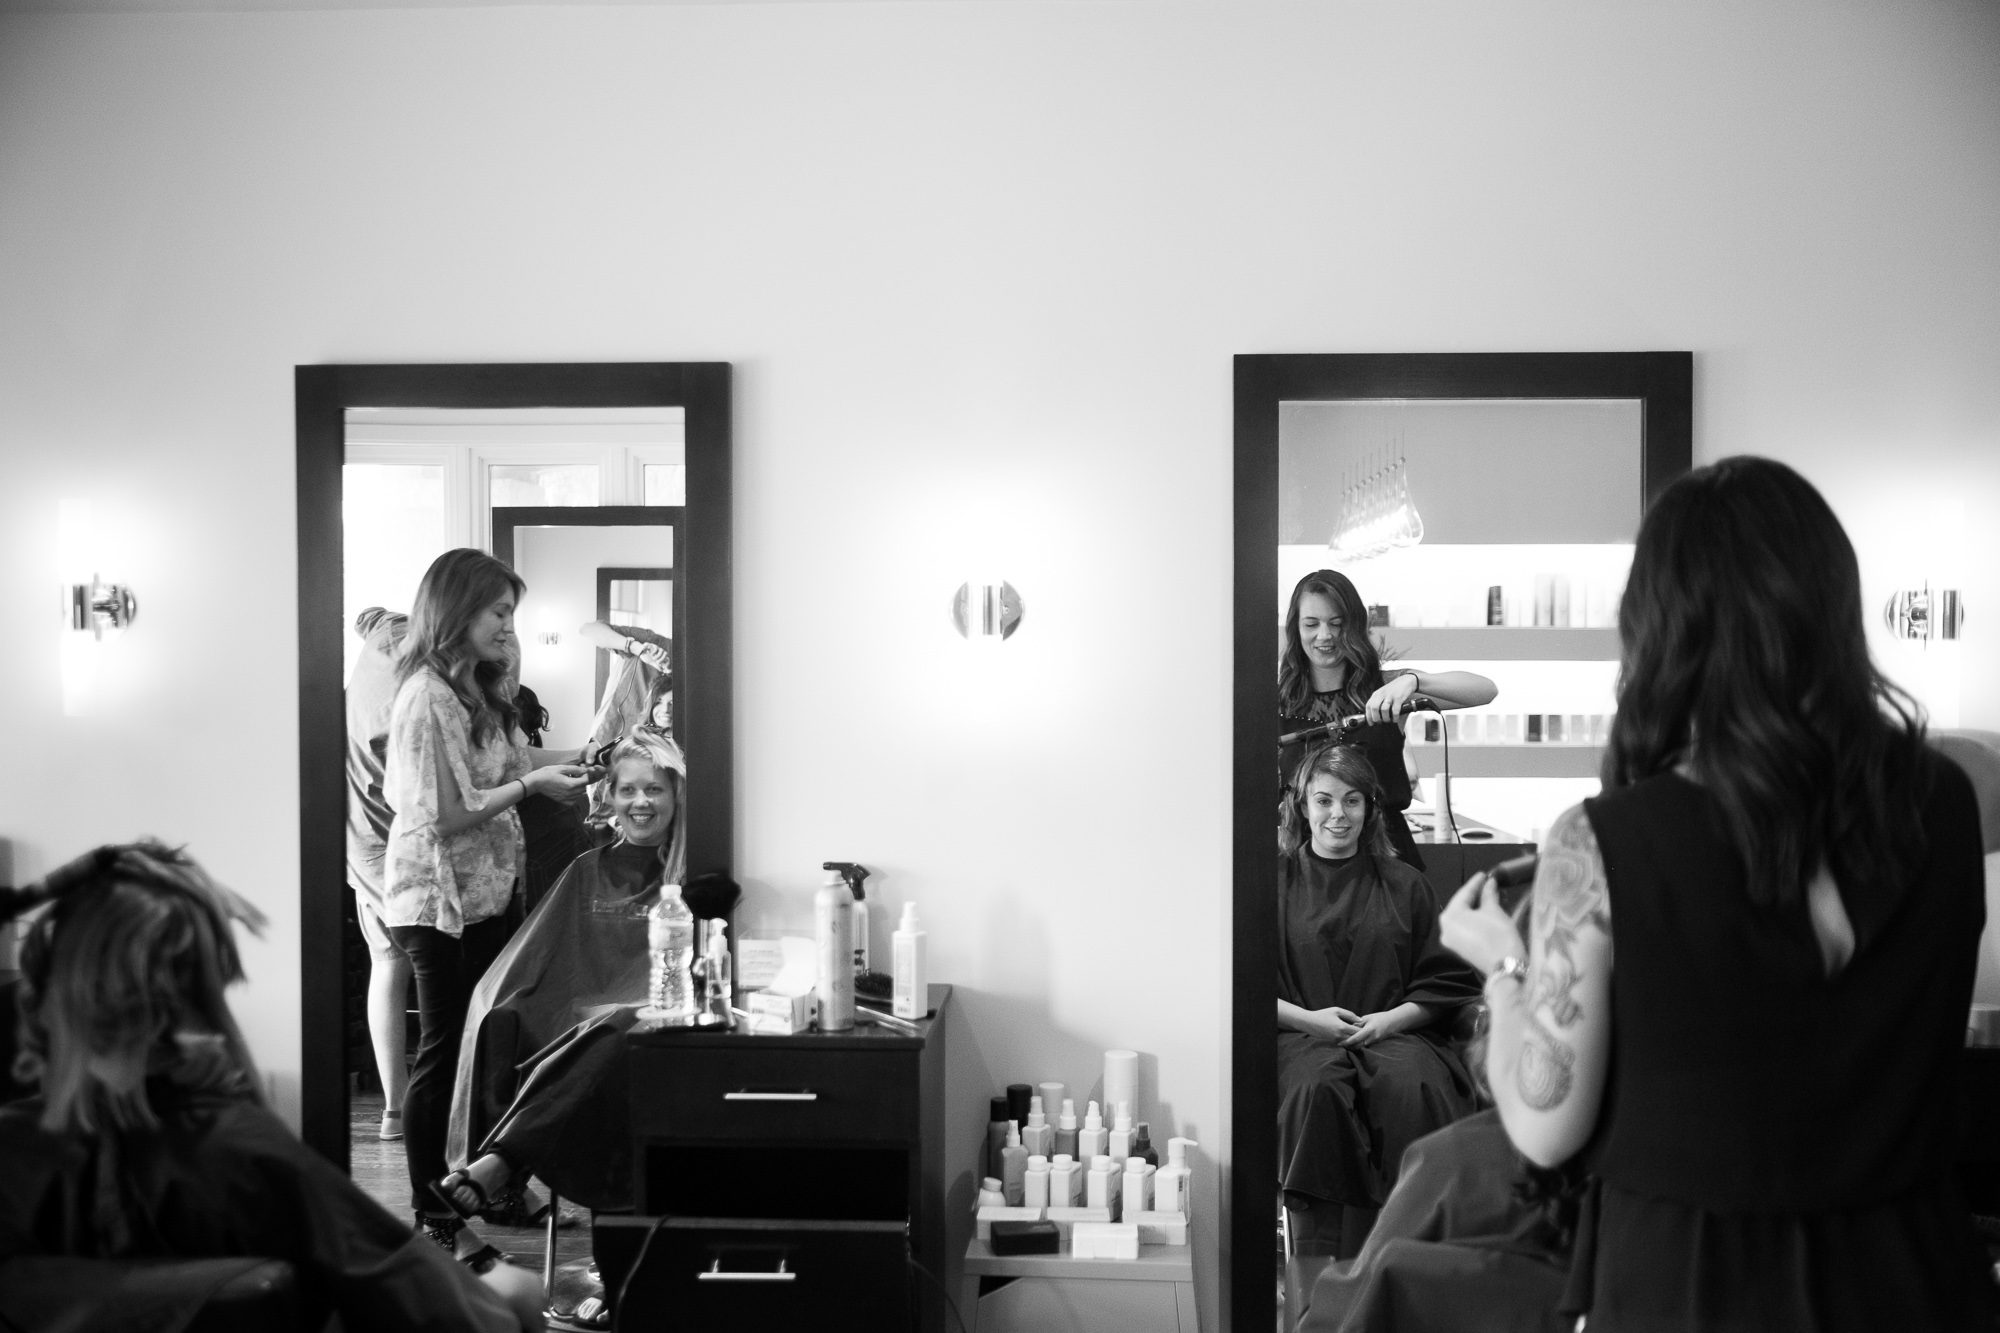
[[1664, 381], [322, 395]]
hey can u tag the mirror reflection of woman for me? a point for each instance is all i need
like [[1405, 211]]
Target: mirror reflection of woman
[[1329, 669], [453, 772], [1367, 1000], [542, 1082]]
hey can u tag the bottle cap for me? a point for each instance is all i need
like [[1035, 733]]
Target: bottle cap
[[991, 1183], [1063, 1159], [1013, 1133], [1123, 1120], [909, 917], [1144, 1134], [1101, 1163], [999, 1111], [1177, 1151], [1067, 1120], [1092, 1119], [1035, 1116], [1037, 1162], [1017, 1100], [1135, 1164]]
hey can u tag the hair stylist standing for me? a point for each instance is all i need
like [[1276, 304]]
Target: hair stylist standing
[[1329, 669], [1746, 978], [454, 773]]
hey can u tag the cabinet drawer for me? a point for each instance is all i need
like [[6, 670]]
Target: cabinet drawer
[[779, 1096], [768, 1278]]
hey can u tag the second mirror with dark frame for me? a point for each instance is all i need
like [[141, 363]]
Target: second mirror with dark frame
[[1411, 530]]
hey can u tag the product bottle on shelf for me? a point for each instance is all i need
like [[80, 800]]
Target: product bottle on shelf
[[1170, 1186], [833, 934], [1013, 1166]]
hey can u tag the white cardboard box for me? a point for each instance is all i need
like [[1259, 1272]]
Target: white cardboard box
[[1160, 1228], [1104, 1240], [984, 1219]]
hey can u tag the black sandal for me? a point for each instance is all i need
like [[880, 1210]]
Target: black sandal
[[445, 1191], [509, 1208]]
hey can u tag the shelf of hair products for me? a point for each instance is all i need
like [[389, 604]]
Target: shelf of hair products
[[1091, 1185]]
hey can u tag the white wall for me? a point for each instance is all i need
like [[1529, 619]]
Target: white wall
[[981, 268]]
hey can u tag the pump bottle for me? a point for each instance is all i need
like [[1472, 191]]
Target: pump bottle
[[833, 933], [911, 949], [1170, 1186]]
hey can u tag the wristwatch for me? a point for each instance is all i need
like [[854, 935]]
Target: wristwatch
[[1510, 966]]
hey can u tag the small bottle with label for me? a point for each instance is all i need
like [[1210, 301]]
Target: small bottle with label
[[1120, 1144], [1065, 1181], [1035, 1182], [1091, 1139], [1013, 1166], [1065, 1139], [1138, 1186]]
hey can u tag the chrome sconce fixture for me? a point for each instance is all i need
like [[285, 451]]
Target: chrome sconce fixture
[[1925, 613], [986, 612], [97, 606]]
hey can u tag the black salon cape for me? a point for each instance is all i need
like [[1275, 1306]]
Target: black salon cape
[[1457, 1247], [542, 1071], [221, 1177], [1362, 934]]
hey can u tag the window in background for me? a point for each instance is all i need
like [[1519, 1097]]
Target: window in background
[[393, 524], [665, 483], [554, 484]]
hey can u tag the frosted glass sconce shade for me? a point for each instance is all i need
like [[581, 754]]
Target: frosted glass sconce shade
[[986, 612], [96, 606], [1925, 613]]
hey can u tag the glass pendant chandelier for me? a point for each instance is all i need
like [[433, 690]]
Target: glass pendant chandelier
[[1376, 512]]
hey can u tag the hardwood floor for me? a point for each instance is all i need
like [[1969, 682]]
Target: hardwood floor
[[380, 1169]]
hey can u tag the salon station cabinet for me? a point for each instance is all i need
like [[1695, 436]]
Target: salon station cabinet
[[784, 1181]]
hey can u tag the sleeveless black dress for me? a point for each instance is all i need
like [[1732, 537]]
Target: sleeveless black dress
[[1778, 1147]]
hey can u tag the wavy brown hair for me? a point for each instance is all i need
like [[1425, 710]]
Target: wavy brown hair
[[1745, 656], [458, 586], [1364, 662], [1348, 764]]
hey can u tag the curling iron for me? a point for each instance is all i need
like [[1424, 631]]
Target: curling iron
[[1417, 703]]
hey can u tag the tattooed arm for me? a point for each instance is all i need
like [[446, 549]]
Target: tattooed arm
[[1550, 1041]]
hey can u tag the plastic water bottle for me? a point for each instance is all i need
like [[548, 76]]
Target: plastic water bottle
[[670, 940]]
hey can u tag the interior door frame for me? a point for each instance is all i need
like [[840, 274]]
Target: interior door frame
[[321, 397], [602, 516], [1664, 381], [610, 574]]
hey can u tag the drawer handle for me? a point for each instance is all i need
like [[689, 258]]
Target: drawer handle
[[714, 1273], [807, 1096]]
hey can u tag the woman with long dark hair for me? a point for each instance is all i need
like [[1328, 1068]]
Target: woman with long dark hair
[[1367, 998], [1328, 669], [1771, 916], [149, 1138], [455, 769]]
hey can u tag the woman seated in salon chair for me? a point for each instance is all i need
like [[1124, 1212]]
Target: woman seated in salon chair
[[542, 1075], [1368, 1001], [1782, 889], [146, 1179]]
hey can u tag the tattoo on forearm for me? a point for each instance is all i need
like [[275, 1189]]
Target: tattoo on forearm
[[1542, 1072], [1570, 894]]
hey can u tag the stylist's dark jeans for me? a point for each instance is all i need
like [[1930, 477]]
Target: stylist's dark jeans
[[446, 970]]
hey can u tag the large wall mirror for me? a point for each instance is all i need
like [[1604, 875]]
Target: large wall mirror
[[607, 488], [1477, 514]]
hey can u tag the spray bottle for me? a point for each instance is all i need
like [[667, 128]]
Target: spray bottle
[[855, 875]]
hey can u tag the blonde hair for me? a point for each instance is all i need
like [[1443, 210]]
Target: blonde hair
[[659, 750]]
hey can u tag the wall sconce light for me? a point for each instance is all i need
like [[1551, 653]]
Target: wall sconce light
[[986, 612], [1925, 613], [90, 606], [549, 638], [97, 606]]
